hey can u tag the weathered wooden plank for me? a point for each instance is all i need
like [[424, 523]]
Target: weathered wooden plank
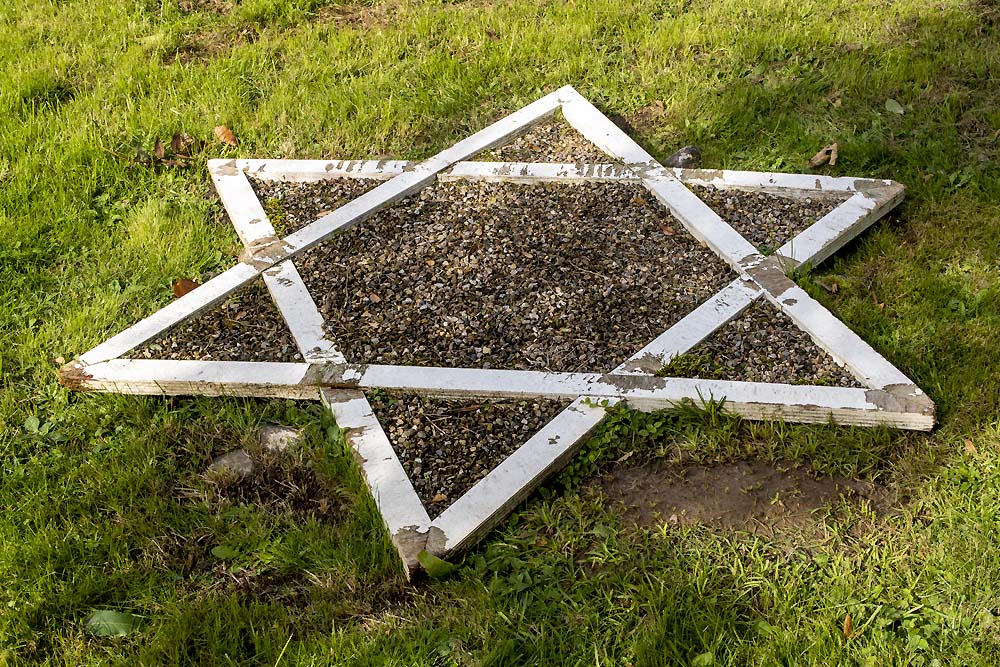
[[169, 377], [404, 516], [531, 173], [283, 281], [811, 185], [241, 203], [497, 494], [311, 171], [300, 313], [837, 228], [751, 400]]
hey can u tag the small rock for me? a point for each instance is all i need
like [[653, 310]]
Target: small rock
[[278, 438], [688, 157], [236, 463]]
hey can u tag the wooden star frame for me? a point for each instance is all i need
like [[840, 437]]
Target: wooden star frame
[[888, 397]]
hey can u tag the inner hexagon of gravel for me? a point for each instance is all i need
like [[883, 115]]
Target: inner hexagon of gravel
[[245, 327], [446, 446], [290, 205], [550, 141], [767, 221], [761, 345], [500, 275]]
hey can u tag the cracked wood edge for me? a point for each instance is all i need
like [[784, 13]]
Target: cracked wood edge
[[751, 400]]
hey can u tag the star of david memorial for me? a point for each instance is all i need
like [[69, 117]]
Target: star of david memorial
[[468, 319]]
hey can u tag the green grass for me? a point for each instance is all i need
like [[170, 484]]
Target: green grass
[[103, 507]]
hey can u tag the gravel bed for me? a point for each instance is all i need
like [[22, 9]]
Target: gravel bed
[[761, 345], [549, 141], [446, 446], [291, 206], [246, 327], [767, 221], [499, 275]]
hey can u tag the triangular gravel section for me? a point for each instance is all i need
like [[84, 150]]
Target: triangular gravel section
[[552, 140], [761, 345], [498, 275], [290, 205], [446, 445], [245, 327], [766, 220]]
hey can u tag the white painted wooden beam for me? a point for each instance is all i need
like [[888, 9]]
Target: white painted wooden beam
[[283, 281], [312, 171], [170, 377], [838, 227], [404, 516]]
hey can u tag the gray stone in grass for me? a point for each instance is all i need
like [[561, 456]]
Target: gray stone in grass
[[236, 463], [688, 157], [277, 438]]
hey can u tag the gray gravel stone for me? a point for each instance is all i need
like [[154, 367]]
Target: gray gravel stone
[[278, 438]]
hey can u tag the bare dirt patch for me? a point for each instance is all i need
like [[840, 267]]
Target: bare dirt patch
[[210, 6], [748, 496], [365, 17], [201, 46]]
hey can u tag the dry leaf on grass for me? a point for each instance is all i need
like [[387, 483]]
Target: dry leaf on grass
[[182, 286], [848, 627], [825, 155], [225, 135]]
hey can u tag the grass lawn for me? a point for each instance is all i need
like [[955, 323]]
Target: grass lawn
[[103, 503]]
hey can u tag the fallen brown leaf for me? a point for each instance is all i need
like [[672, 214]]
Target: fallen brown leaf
[[439, 498], [970, 447], [158, 149], [826, 154], [848, 627], [225, 135], [182, 286], [832, 288], [666, 229]]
